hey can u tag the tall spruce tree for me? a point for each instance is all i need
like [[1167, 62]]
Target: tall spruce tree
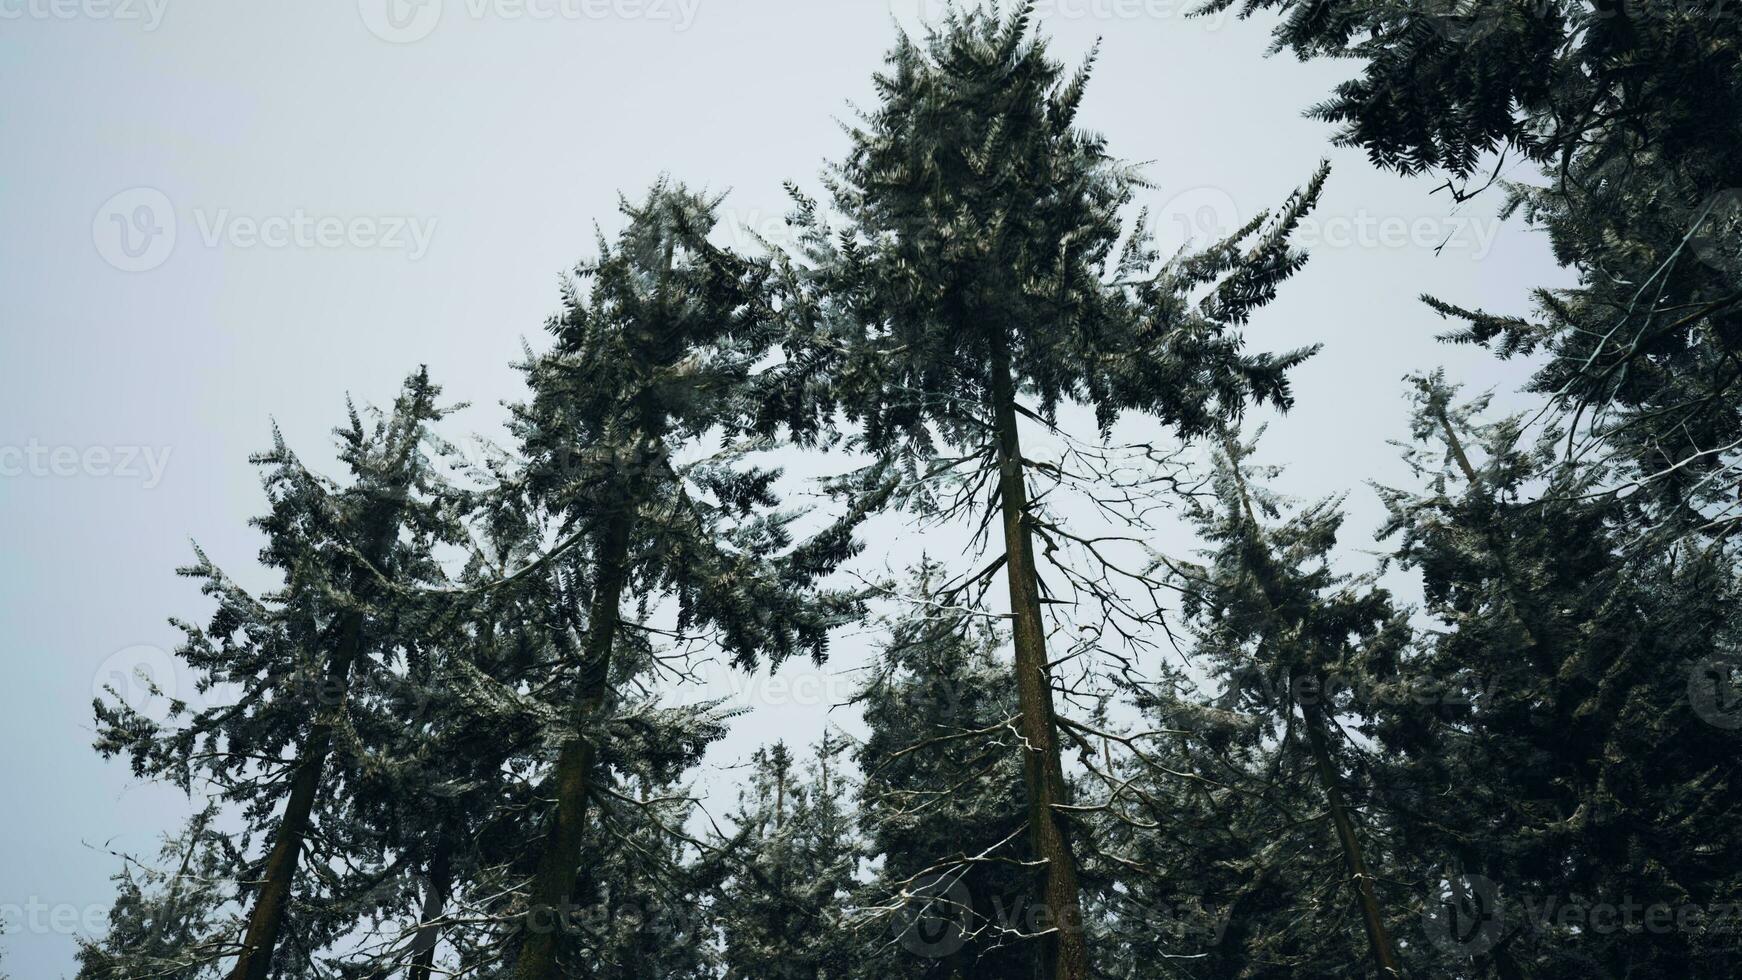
[[655, 351], [981, 266], [782, 908], [287, 662], [1216, 852], [443, 767], [1632, 114], [637, 907], [1586, 761], [1296, 645], [942, 803]]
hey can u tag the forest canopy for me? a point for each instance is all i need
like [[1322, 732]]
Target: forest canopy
[[455, 741]]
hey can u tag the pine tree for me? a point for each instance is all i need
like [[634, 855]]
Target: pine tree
[[656, 356], [439, 772], [168, 919], [794, 859], [1632, 113], [942, 804], [983, 263], [641, 908], [289, 661], [1550, 781], [1296, 646]]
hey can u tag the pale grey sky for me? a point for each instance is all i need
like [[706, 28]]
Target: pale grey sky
[[355, 190]]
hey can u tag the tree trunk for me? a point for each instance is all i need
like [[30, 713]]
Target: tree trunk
[[429, 933], [265, 921], [1384, 956], [1066, 953], [267, 918], [553, 886]]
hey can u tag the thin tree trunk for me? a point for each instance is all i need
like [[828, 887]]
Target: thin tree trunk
[[1068, 954], [267, 918], [553, 886], [429, 932], [1378, 937]]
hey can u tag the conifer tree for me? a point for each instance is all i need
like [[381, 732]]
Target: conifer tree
[[288, 661], [1209, 837], [1632, 113], [168, 918], [794, 859], [982, 264], [1295, 645], [637, 908], [655, 351], [942, 803], [443, 764], [1579, 763]]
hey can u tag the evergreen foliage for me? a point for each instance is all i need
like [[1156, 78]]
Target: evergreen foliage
[[794, 860], [452, 741], [942, 804], [1632, 112], [982, 262], [1297, 649], [297, 669], [168, 917], [1569, 762], [659, 351]]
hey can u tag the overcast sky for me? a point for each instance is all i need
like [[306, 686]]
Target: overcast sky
[[213, 215]]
